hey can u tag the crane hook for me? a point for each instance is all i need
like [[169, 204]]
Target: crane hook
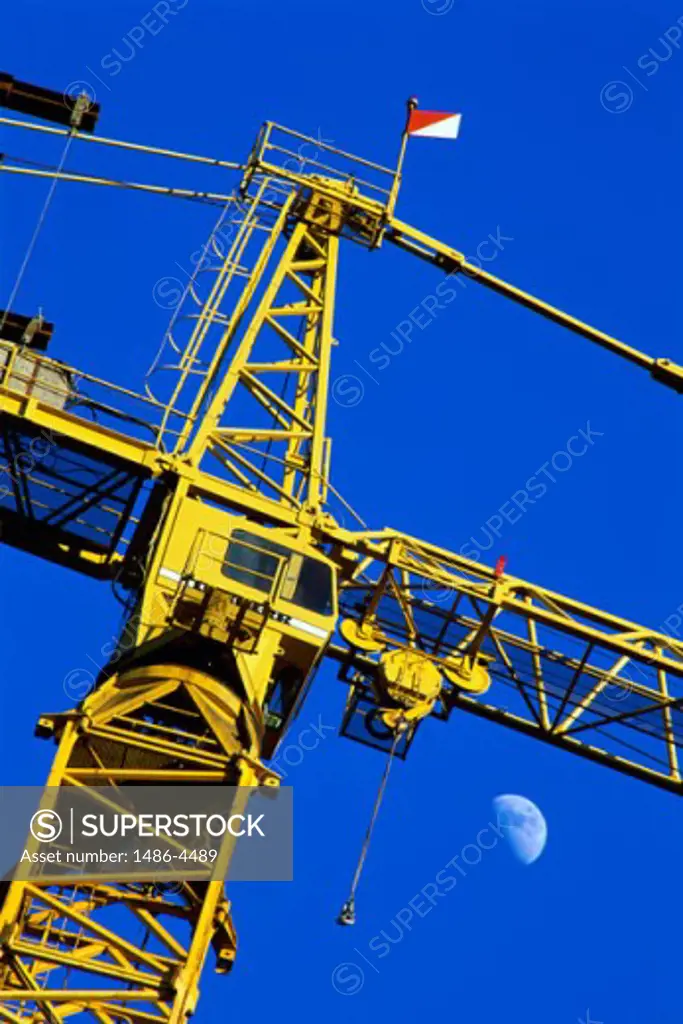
[[347, 914]]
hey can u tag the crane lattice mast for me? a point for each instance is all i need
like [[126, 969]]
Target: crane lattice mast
[[207, 498]]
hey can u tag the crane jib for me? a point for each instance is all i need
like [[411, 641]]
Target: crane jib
[[205, 497]]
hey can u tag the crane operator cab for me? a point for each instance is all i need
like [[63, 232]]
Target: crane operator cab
[[263, 600]]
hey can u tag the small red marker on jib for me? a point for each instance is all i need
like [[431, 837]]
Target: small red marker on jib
[[500, 566]]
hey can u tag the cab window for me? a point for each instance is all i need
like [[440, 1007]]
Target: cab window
[[255, 561], [312, 587]]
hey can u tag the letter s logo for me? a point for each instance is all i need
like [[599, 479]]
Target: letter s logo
[[46, 826]]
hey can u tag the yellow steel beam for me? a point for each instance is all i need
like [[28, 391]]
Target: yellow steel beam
[[94, 944], [551, 651], [96, 436], [452, 261], [289, 221]]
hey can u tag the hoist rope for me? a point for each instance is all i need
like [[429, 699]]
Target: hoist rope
[[36, 233], [347, 912]]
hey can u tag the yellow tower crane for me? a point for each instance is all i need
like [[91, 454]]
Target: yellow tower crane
[[207, 498]]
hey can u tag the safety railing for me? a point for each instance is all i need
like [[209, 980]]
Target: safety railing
[[295, 154], [27, 372]]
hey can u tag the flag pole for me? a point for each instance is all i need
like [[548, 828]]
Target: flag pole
[[411, 105]]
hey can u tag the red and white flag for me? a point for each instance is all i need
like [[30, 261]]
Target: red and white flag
[[434, 124]]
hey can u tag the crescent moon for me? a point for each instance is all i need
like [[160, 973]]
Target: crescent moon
[[523, 825]]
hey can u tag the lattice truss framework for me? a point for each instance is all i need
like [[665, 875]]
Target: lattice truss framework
[[250, 373], [233, 415], [128, 952], [578, 677]]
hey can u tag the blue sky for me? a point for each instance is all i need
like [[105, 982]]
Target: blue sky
[[571, 149]]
